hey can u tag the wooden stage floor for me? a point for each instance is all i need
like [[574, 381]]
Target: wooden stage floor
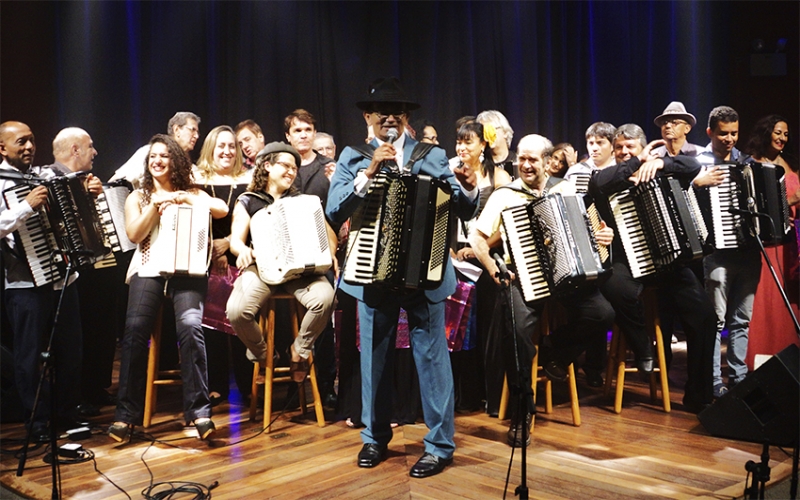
[[640, 453]]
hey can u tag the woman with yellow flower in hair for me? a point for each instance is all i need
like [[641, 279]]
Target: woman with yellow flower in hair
[[473, 147]]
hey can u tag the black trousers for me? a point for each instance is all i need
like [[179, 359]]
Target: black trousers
[[682, 290], [30, 312], [144, 300], [624, 294], [589, 316]]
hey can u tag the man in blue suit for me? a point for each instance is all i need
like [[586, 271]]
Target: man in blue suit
[[387, 108]]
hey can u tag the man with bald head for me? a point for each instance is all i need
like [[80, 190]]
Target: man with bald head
[[31, 308], [590, 314]]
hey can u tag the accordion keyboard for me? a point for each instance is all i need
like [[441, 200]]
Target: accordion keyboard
[[37, 240], [522, 248], [631, 234]]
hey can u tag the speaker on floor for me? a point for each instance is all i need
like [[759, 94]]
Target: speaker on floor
[[761, 408]]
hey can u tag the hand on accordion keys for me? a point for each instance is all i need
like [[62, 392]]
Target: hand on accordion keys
[[604, 235], [37, 197]]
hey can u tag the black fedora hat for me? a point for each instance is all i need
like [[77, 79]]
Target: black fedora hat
[[386, 91]]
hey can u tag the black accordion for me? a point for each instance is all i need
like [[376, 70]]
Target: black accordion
[[400, 233], [552, 246], [67, 227], [658, 224], [757, 187]]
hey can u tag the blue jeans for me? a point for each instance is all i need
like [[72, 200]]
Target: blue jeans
[[731, 281], [378, 327], [144, 301]]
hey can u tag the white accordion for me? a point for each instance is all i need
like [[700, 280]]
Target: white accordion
[[290, 239], [180, 245]]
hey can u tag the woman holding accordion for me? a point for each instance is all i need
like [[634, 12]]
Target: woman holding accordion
[[275, 171], [167, 181]]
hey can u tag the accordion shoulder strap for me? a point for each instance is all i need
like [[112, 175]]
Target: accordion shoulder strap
[[419, 152], [366, 150]]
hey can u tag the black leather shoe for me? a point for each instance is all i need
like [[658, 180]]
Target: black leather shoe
[[514, 436], [87, 410], [371, 454], [429, 465], [555, 371], [645, 366], [40, 432]]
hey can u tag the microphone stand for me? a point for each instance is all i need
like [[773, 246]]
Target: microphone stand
[[48, 370], [525, 397]]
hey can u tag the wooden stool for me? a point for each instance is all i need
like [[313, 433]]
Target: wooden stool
[[617, 356], [267, 323], [154, 376], [543, 328]]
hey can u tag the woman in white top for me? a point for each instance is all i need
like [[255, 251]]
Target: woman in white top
[[167, 181]]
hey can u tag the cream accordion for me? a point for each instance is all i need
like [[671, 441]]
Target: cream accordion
[[400, 233], [290, 239], [552, 245], [180, 244]]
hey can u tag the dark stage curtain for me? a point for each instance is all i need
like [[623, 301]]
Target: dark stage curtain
[[121, 69]]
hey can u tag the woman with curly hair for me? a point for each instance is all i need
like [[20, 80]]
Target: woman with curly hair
[[167, 181], [275, 171], [771, 327]]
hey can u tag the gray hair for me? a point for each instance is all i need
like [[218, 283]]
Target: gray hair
[[631, 131], [498, 120], [180, 118], [323, 135]]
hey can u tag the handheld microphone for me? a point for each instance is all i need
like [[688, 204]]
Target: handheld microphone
[[501, 265], [392, 135]]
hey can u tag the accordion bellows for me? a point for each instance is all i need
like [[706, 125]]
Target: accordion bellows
[[290, 239]]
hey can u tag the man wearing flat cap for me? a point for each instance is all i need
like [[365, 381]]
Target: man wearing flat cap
[[675, 124], [378, 307]]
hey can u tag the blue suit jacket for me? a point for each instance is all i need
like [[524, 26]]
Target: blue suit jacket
[[342, 202]]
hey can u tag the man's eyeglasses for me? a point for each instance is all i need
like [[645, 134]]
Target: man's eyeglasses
[[674, 122], [382, 115]]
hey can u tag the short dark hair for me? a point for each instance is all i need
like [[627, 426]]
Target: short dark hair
[[301, 115], [419, 127], [180, 118], [250, 125], [724, 114], [601, 129]]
